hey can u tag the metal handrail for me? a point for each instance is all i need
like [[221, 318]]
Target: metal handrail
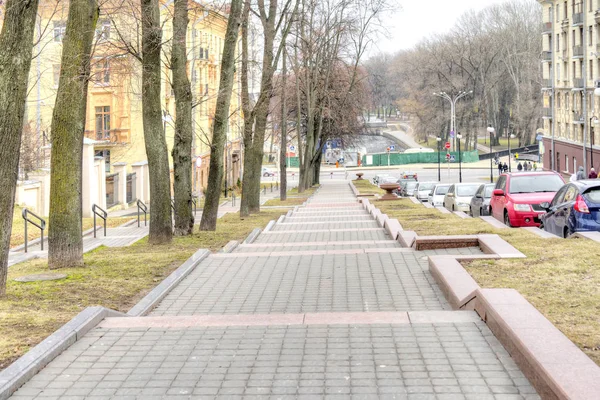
[[195, 203], [102, 214], [42, 226], [141, 206]]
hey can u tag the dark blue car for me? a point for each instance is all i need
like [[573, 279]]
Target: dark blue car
[[575, 208]]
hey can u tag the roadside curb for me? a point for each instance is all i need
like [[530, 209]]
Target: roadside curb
[[252, 236], [23, 369], [229, 247], [145, 305]]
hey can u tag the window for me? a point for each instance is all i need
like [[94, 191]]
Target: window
[[558, 71], [103, 30], [55, 74], [102, 74], [103, 123], [558, 198], [566, 163], [558, 161], [591, 68], [557, 42], [106, 155], [590, 37], [60, 28], [535, 184], [574, 165]]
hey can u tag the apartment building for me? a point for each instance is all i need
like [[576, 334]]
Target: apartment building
[[114, 106], [570, 75]]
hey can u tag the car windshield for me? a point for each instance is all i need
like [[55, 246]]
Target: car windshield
[[593, 195], [441, 190], [426, 186], [467, 190], [411, 185], [535, 184], [489, 189]]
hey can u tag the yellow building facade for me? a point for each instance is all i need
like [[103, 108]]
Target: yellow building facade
[[114, 106]]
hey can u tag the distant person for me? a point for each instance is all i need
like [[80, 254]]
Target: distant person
[[525, 166], [529, 166], [580, 174], [505, 168], [500, 168], [593, 174], [535, 166], [520, 167]]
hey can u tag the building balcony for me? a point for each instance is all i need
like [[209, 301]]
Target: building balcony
[[578, 83], [546, 56], [547, 27], [565, 54], [578, 19], [577, 117], [546, 112], [577, 51], [597, 15], [546, 83]]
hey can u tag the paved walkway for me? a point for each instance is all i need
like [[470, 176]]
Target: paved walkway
[[124, 235], [324, 305]]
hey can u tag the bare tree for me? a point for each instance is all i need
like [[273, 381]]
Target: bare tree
[[182, 146], [16, 44], [154, 135], [273, 22], [65, 244], [215, 173]]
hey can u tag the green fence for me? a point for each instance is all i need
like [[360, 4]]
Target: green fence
[[293, 162], [416, 158]]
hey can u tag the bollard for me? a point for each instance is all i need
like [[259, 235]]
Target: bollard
[[331, 175]]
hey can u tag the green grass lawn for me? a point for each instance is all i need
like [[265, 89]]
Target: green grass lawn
[[115, 277], [559, 277], [17, 236], [503, 143]]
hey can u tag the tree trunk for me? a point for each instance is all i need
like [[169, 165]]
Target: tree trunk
[[215, 173], [154, 136], [16, 43], [283, 142], [65, 244], [182, 146]]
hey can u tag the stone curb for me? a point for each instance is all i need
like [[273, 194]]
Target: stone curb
[[407, 238], [19, 372], [230, 246], [280, 219], [252, 236], [461, 214], [393, 228], [269, 225], [149, 301], [443, 210], [554, 365], [541, 233]]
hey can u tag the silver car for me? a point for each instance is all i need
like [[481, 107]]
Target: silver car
[[436, 196], [459, 196], [480, 203], [423, 189]]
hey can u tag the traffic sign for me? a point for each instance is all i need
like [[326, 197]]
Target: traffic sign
[[448, 156], [388, 149], [392, 148], [447, 145], [452, 134], [292, 147], [452, 159]]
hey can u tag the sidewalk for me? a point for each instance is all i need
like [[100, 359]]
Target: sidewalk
[[322, 305]]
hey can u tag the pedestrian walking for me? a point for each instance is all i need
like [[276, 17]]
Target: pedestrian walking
[[525, 167], [535, 166], [593, 174], [500, 168], [505, 168], [529, 166], [580, 173], [520, 167]]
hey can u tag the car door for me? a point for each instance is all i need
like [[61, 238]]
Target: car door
[[550, 223], [476, 201], [449, 197], [498, 202], [563, 208]]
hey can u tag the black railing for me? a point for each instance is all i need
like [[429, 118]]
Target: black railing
[[102, 214], [195, 204], [265, 189], [142, 207], [41, 225]]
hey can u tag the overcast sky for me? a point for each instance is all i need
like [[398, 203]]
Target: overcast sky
[[420, 18]]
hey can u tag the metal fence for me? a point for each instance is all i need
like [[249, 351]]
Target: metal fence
[[112, 190], [131, 195]]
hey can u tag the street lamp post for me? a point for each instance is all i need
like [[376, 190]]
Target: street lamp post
[[459, 136], [452, 101], [511, 136], [439, 142], [593, 122], [491, 130]]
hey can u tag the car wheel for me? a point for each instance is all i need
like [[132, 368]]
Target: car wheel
[[470, 211], [481, 212], [541, 226], [266, 174], [567, 232], [507, 219], [452, 207]]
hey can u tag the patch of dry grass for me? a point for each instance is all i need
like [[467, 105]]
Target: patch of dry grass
[[112, 277], [561, 278], [365, 186], [296, 200], [17, 235]]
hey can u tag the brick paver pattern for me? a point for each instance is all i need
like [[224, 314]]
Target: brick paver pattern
[[449, 359]]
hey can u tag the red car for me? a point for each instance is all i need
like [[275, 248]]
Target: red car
[[517, 196]]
